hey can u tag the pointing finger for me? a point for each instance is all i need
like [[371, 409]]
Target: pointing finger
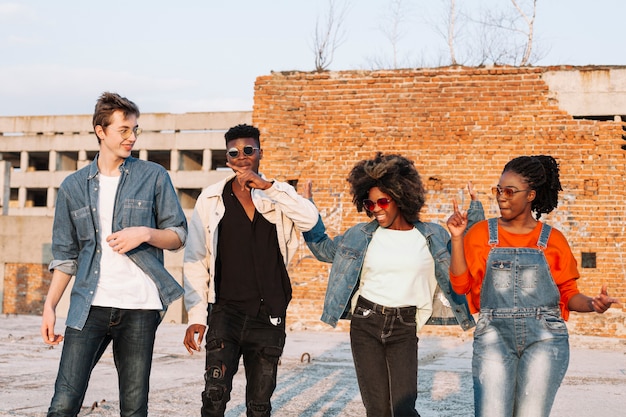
[[228, 164]]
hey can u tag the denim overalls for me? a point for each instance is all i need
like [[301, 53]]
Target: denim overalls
[[521, 348]]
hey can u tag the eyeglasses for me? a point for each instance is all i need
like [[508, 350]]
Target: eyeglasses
[[126, 133], [248, 150], [370, 205], [507, 192]]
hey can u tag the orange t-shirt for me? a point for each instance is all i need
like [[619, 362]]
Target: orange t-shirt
[[476, 245]]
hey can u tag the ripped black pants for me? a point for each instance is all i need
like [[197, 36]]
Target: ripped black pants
[[230, 336]]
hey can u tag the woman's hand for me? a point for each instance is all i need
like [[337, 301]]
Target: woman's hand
[[471, 191], [307, 189], [602, 302], [457, 222]]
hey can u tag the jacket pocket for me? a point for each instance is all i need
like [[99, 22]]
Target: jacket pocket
[[137, 213], [501, 274], [347, 253], [83, 224]]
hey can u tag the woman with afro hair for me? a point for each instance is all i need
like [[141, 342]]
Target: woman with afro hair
[[520, 275], [388, 277]]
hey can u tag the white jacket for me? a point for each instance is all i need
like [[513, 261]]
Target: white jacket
[[280, 205]]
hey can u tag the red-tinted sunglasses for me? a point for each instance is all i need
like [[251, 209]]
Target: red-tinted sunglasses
[[370, 205]]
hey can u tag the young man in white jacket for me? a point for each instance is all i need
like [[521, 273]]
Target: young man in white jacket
[[243, 233]]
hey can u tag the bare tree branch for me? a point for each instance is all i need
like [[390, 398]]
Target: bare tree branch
[[394, 30], [498, 29], [394, 18], [329, 35], [530, 21], [451, 27]]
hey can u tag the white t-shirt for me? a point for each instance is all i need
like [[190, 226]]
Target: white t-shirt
[[399, 271], [122, 284]]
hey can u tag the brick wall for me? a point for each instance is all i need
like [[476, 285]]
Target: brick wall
[[457, 124], [25, 287]]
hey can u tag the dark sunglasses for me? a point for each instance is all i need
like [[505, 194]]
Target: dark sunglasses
[[248, 150], [370, 205]]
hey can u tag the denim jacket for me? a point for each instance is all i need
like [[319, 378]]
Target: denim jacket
[[347, 253], [145, 197]]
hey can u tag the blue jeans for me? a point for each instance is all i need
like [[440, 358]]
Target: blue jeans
[[232, 334], [518, 364], [384, 350], [132, 333]]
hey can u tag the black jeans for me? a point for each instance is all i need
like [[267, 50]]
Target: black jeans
[[232, 334], [384, 350]]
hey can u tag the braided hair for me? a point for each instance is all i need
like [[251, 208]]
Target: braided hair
[[394, 175], [541, 173]]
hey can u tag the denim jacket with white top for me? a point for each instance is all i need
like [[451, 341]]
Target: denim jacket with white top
[[347, 253], [145, 197]]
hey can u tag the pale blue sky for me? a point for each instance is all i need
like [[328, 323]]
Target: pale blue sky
[[57, 56]]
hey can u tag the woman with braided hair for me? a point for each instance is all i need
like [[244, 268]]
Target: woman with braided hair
[[520, 274], [384, 276]]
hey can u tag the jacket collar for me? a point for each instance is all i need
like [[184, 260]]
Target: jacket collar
[[422, 227], [215, 190], [125, 167]]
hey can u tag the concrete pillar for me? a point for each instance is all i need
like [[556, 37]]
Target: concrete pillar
[[174, 160], [21, 197], [52, 161], [24, 161], [207, 156], [143, 154], [5, 188], [82, 159], [51, 197]]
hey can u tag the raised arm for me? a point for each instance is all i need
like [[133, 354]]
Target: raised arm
[[457, 223]]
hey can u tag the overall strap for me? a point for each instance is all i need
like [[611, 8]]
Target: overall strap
[[493, 231], [542, 242]]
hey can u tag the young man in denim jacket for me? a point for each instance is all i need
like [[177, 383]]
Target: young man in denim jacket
[[112, 221]]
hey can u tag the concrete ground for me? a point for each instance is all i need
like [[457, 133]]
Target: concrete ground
[[325, 385]]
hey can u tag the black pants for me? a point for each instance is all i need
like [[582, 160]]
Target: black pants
[[232, 334], [384, 350]]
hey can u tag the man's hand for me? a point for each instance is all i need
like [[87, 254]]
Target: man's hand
[[190, 337], [249, 179], [128, 239], [47, 327]]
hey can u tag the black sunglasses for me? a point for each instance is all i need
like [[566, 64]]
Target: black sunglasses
[[248, 150]]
